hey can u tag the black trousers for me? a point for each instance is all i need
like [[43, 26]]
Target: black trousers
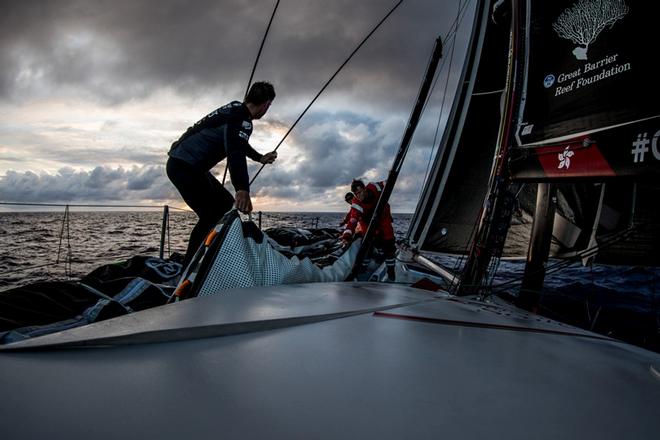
[[204, 195]]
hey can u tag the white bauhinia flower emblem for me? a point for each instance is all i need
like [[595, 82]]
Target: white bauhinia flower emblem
[[565, 158]]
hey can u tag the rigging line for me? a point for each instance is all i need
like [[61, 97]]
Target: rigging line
[[59, 247], [564, 263], [330, 80], [428, 97], [431, 90], [607, 241], [444, 97], [254, 68], [256, 61], [457, 21], [491, 92], [450, 34], [169, 248], [224, 176], [471, 239], [488, 220], [560, 265], [69, 254]]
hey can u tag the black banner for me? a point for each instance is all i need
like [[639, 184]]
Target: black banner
[[590, 68], [631, 150]]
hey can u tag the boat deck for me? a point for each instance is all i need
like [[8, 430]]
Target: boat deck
[[332, 360]]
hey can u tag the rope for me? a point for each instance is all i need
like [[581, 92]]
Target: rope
[[330, 80], [254, 67], [492, 265], [605, 243], [452, 286], [59, 246], [457, 21], [224, 176], [450, 34], [444, 97], [169, 249], [68, 258], [256, 61]]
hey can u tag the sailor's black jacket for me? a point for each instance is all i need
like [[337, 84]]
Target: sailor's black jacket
[[223, 133]]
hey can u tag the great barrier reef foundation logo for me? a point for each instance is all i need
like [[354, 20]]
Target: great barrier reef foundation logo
[[583, 22], [548, 81]]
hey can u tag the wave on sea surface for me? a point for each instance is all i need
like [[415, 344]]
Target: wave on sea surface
[[37, 244]]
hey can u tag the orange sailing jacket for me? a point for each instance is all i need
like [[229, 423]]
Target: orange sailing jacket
[[360, 214]]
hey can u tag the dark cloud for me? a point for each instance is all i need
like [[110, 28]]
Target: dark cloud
[[128, 49], [120, 52], [149, 183], [100, 185], [124, 49], [144, 178]]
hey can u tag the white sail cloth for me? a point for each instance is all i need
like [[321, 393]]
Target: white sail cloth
[[248, 260]]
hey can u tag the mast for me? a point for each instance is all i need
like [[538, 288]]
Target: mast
[[398, 160], [498, 207]]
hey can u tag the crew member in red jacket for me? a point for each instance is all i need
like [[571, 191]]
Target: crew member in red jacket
[[362, 208], [349, 199]]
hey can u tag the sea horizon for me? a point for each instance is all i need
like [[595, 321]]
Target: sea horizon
[[38, 243]]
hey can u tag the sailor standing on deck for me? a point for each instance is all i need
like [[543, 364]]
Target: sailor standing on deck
[[223, 133]]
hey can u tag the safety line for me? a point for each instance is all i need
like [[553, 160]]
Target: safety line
[[61, 205]]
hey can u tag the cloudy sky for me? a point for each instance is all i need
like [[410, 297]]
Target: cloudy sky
[[92, 94]]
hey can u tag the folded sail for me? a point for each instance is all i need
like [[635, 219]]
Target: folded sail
[[238, 254]]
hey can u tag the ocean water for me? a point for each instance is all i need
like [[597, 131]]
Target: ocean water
[[36, 245], [622, 302], [618, 301]]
